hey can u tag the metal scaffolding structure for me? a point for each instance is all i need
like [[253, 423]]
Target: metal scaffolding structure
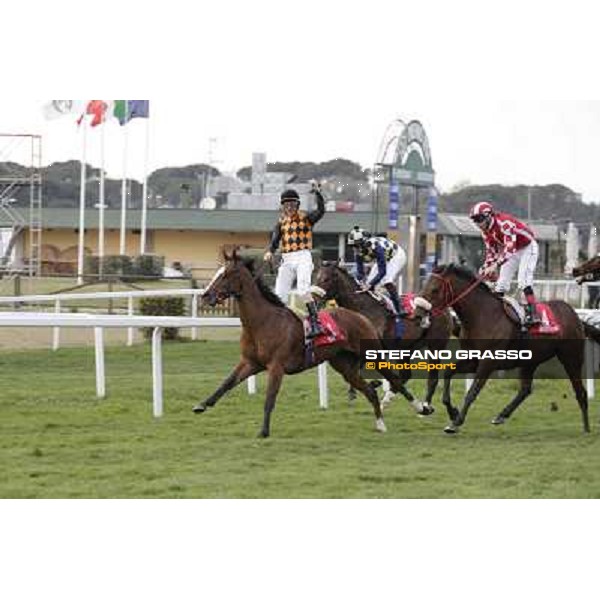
[[21, 183]]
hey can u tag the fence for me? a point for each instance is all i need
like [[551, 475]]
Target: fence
[[58, 301], [99, 322], [584, 295], [58, 320]]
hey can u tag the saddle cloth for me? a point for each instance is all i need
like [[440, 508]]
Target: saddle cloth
[[407, 301], [332, 332], [549, 324]]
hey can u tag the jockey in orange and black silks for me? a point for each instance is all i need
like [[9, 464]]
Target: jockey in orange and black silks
[[294, 232]]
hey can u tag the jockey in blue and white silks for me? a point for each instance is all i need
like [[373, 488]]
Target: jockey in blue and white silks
[[388, 259]]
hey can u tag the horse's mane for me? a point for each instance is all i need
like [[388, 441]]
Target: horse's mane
[[463, 273], [342, 270], [265, 290]]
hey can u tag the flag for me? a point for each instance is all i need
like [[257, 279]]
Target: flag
[[120, 111], [59, 108], [125, 110], [98, 109]]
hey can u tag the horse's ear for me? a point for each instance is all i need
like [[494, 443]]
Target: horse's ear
[[226, 256], [235, 253]]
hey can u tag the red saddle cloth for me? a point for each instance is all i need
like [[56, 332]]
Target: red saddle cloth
[[549, 324], [406, 300], [332, 333], [408, 303]]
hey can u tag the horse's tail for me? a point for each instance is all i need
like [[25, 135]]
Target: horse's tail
[[591, 331]]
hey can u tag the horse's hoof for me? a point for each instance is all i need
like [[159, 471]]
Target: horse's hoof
[[263, 434], [427, 410], [498, 420], [199, 408], [451, 429], [380, 426]]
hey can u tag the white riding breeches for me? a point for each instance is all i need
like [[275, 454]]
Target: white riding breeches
[[394, 267], [295, 266], [525, 260]]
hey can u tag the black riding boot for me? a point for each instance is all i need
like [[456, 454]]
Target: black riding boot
[[531, 316], [400, 312], [393, 293], [313, 319]]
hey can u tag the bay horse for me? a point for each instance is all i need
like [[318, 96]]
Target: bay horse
[[342, 287], [273, 340], [487, 324]]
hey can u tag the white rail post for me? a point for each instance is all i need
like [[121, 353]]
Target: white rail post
[[589, 368], [130, 314], [323, 392], [99, 344], [157, 400], [252, 384], [56, 330], [195, 315]]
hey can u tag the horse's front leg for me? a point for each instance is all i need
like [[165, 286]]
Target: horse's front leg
[[462, 366], [432, 382], [397, 384], [484, 370], [273, 385], [242, 371]]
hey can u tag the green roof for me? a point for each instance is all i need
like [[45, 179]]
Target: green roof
[[186, 219], [246, 220]]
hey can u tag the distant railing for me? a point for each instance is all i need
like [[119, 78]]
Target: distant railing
[[58, 301], [583, 296]]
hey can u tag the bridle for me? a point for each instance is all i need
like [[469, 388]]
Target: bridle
[[449, 296], [225, 293]]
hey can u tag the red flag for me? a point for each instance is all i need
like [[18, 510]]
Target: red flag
[[97, 108]]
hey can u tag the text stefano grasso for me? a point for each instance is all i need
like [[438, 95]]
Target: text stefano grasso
[[448, 354]]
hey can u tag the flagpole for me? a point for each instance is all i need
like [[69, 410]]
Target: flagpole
[[124, 190], [145, 192], [101, 213], [80, 249]]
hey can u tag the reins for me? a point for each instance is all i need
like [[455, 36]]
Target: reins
[[447, 287]]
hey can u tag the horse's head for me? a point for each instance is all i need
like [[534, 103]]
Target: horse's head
[[588, 271], [226, 281], [446, 284], [331, 277]]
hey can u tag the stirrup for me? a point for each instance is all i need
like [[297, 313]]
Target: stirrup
[[315, 331], [532, 319]]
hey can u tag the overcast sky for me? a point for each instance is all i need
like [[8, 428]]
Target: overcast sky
[[477, 140]]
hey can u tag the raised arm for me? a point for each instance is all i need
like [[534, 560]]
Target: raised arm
[[316, 214]]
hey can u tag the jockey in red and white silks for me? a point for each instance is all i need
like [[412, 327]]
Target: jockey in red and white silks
[[510, 245]]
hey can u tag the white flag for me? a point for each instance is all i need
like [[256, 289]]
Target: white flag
[[60, 108]]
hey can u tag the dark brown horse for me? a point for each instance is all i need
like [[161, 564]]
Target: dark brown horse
[[342, 287], [588, 271], [487, 325], [273, 340]]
